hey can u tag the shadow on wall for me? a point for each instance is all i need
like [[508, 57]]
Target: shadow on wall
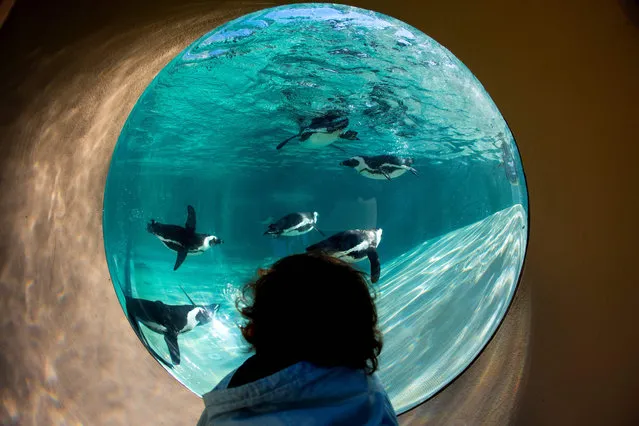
[[631, 9], [68, 355]]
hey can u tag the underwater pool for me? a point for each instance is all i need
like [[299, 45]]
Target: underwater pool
[[450, 198]]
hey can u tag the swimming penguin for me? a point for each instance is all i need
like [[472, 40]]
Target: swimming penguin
[[183, 240], [380, 166], [294, 224], [168, 320], [353, 246], [323, 131]]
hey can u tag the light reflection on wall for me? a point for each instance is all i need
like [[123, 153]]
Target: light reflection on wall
[[72, 357]]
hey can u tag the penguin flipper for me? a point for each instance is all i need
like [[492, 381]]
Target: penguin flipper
[[174, 349], [386, 175], [376, 268], [190, 218], [136, 329], [181, 256], [129, 303], [159, 358], [281, 145], [321, 233]]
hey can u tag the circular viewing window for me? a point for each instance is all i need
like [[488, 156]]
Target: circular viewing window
[[353, 117]]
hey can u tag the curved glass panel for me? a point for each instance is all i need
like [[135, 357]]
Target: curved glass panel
[[346, 86]]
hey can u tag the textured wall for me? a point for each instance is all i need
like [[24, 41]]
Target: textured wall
[[564, 74]]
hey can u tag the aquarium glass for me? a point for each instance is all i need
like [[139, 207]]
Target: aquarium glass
[[450, 197]]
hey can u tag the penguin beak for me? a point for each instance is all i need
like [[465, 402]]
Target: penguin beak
[[206, 315], [348, 163]]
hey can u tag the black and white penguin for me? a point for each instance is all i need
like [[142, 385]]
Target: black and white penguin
[[168, 320], [323, 131], [294, 224], [353, 246], [380, 166], [183, 239]]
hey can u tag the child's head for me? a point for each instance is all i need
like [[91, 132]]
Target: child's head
[[312, 307]]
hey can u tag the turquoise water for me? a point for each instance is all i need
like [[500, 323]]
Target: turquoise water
[[204, 134]]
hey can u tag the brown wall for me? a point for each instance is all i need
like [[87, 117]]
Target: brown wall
[[565, 76]]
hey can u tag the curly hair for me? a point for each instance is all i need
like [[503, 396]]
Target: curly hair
[[312, 307]]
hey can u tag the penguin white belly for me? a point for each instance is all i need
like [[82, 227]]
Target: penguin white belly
[[394, 174], [191, 321], [346, 256], [169, 242], [197, 251], [158, 328], [295, 232], [299, 229], [320, 140]]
